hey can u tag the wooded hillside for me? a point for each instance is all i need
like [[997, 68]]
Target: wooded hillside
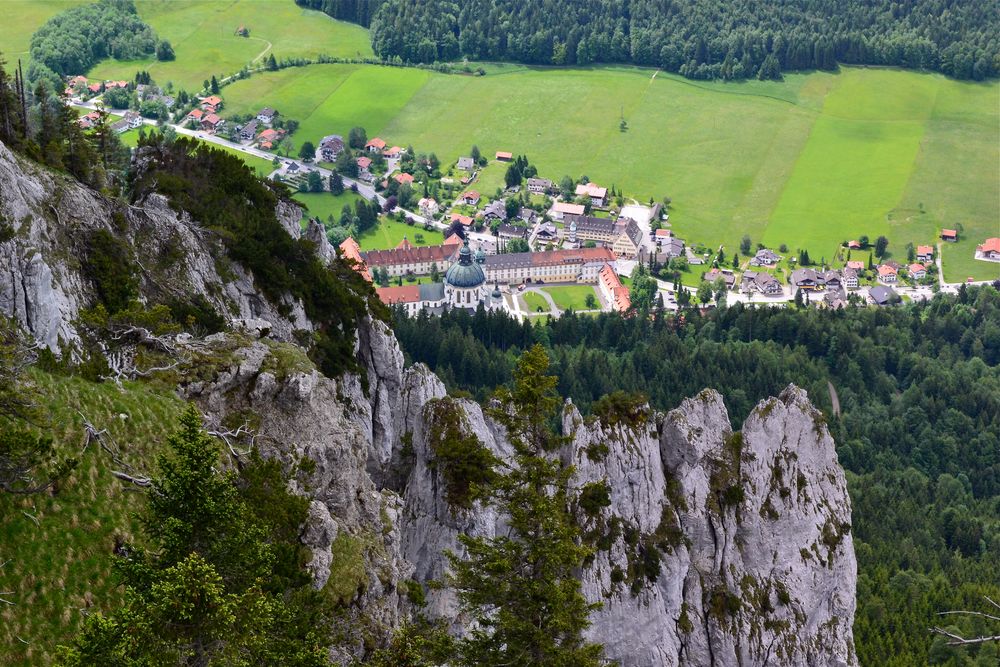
[[703, 39]]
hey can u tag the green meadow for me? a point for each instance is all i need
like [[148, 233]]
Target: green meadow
[[389, 233], [20, 20], [203, 34], [809, 162]]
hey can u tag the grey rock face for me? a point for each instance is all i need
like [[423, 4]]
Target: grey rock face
[[50, 219]]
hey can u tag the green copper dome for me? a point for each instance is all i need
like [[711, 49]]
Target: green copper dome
[[480, 256], [466, 274]]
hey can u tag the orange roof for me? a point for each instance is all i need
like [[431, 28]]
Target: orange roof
[[925, 250], [454, 239], [886, 270], [572, 209], [948, 233], [211, 119], [214, 100], [916, 268], [853, 244], [990, 245], [613, 284], [352, 251], [504, 155], [364, 162], [94, 87], [464, 219], [403, 178], [404, 244], [856, 264], [393, 151], [375, 143], [400, 294], [268, 134], [471, 194], [196, 114], [663, 232]]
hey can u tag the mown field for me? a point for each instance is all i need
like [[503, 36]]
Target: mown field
[[809, 162], [20, 20], [203, 34]]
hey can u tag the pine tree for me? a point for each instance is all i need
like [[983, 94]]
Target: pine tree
[[520, 588]]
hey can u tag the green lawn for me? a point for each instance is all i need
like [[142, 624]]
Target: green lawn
[[323, 204], [21, 19], [203, 34], [960, 263], [534, 301], [388, 234], [572, 296]]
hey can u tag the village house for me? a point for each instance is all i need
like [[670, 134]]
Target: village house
[[249, 131], [588, 228], [95, 88], [856, 265], [835, 299], [850, 278], [108, 85], [211, 123], [509, 232], [375, 145], [364, 167], [496, 210], [597, 194], [504, 156], [887, 273], [330, 147], [811, 279], [560, 209], [267, 115], [530, 216], [392, 153], [420, 261], [403, 178], [428, 207], [553, 266], [350, 249], [539, 186], [917, 271], [120, 127], [854, 245], [547, 234], [880, 295], [761, 282], [470, 198], [765, 257], [133, 118], [949, 235], [464, 219], [466, 163], [196, 115], [212, 104], [925, 253], [989, 250], [90, 120], [728, 277], [615, 294], [269, 138]]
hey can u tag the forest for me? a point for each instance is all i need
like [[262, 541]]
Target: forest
[[918, 431], [714, 39]]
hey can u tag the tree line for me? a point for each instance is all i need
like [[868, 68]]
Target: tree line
[[717, 39], [918, 430]]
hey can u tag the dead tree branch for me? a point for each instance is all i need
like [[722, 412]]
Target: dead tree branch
[[959, 640]]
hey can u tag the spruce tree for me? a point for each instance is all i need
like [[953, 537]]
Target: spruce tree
[[520, 587]]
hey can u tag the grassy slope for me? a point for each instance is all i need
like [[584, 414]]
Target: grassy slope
[[203, 36], [388, 234], [323, 204], [21, 19], [60, 566]]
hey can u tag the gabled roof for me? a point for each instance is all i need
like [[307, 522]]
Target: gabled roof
[[399, 294], [949, 233], [403, 178], [375, 143], [990, 245], [504, 155], [886, 270], [925, 250], [565, 207], [364, 162]]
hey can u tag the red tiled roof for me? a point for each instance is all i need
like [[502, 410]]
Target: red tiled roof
[[504, 155], [453, 240], [853, 245], [990, 245], [403, 178], [214, 100], [431, 253], [663, 232], [351, 250], [925, 250], [196, 114], [400, 294], [856, 264], [613, 284], [914, 268], [464, 219], [404, 244], [364, 162], [948, 233], [471, 194], [375, 143], [886, 270]]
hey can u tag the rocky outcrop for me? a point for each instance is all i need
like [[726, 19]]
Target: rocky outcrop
[[718, 547], [47, 221]]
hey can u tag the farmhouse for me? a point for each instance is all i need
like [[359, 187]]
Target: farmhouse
[[850, 278], [925, 253], [364, 165], [989, 250], [762, 282], [471, 198], [597, 194], [504, 156], [854, 245], [917, 271], [539, 186], [466, 163], [614, 293], [196, 115], [528, 215], [95, 88], [548, 267], [880, 295], [949, 235], [392, 153], [405, 258], [211, 122], [133, 119], [464, 219], [887, 273], [248, 131], [267, 115], [212, 103], [403, 178], [547, 234], [330, 147], [375, 145], [765, 257], [727, 276], [268, 138], [496, 210], [814, 280]]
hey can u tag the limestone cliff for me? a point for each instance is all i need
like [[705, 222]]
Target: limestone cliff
[[718, 548]]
